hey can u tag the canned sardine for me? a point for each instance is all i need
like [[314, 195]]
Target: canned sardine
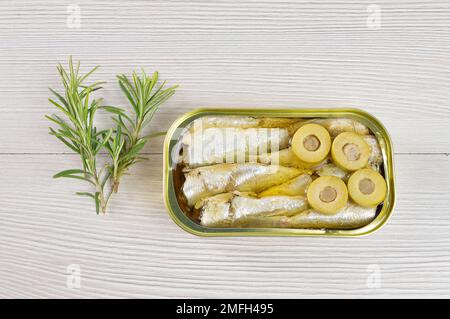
[[278, 172]]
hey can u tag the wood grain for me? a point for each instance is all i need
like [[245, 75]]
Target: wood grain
[[223, 53], [137, 251], [255, 54]]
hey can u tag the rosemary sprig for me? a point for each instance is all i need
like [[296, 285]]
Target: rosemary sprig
[[123, 144], [78, 131], [145, 96]]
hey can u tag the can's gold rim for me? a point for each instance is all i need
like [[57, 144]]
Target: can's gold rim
[[364, 117]]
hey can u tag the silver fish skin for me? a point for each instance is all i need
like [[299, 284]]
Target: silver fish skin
[[296, 186], [230, 208], [330, 169], [210, 180], [287, 157], [350, 217], [230, 139], [284, 157], [241, 121], [376, 156], [336, 126], [216, 210], [230, 145]]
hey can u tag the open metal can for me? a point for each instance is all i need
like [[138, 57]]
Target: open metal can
[[178, 213]]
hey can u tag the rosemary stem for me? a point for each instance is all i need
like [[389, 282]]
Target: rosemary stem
[[79, 133]]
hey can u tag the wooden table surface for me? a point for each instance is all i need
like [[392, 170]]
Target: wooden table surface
[[233, 54]]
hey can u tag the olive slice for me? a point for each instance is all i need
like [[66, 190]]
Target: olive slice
[[350, 151], [311, 143], [367, 187], [327, 194]]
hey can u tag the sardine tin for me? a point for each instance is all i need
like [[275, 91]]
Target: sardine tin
[[180, 218]]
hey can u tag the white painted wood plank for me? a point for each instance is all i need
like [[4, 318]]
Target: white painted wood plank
[[227, 53], [137, 251], [236, 53]]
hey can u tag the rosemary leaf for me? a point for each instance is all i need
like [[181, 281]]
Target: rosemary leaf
[[145, 96], [77, 131]]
